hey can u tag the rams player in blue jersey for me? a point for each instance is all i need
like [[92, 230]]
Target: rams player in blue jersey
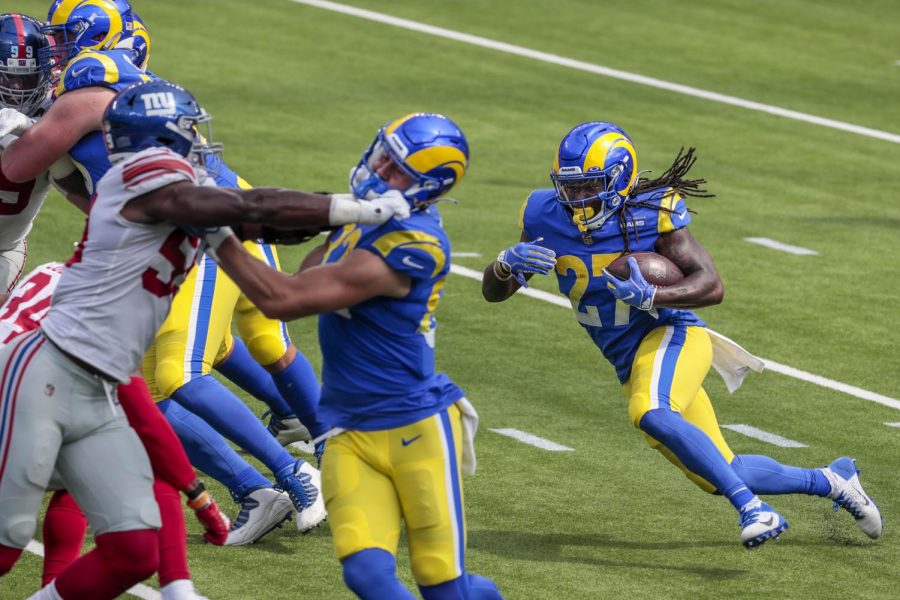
[[91, 61], [599, 210], [396, 446]]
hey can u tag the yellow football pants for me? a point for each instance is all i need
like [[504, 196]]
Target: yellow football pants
[[668, 372], [373, 479]]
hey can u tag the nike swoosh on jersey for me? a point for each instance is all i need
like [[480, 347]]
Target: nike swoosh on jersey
[[79, 71], [410, 440], [408, 261], [682, 214]]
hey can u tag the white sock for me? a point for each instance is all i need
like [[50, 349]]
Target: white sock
[[47, 593]]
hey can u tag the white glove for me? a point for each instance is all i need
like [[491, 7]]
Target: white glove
[[214, 237], [381, 209], [347, 209], [14, 122]]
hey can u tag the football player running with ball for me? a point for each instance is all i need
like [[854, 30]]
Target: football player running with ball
[[397, 448], [58, 391], [599, 210]]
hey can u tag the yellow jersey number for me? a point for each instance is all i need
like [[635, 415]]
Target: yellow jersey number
[[590, 316]]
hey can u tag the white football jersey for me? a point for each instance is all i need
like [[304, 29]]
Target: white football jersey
[[117, 289], [29, 301], [19, 205]]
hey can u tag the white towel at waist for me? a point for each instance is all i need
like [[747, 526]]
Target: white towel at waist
[[732, 361], [469, 429]]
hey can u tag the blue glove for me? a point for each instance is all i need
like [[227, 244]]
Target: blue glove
[[635, 290], [525, 257]]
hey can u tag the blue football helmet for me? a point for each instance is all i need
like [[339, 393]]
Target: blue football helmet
[[428, 148], [594, 172], [158, 114], [23, 85], [89, 25], [140, 46]]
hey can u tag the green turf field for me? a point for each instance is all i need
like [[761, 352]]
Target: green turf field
[[297, 93]]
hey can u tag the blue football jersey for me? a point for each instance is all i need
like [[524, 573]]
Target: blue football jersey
[[378, 356], [111, 69], [615, 327]]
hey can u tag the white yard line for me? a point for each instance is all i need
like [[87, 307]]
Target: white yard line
[[825, 382], [600, 70], [832, 384], [140, 590], [764, 436], [776, 245], [533, 440], [465, 254], [893, 424], [556, 299]]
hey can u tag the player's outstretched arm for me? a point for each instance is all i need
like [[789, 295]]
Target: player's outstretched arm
[[70, 118], [702, 285], [183, 203], [325, 288], [514, 267]]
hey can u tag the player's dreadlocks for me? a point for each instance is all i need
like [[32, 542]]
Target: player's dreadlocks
[[672, 181]]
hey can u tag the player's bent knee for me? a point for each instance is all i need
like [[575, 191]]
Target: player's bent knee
[[133, 555], [169, 377], [17, 532], [432, 568], [266, 348]]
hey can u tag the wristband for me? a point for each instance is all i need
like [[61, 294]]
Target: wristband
[[345, 208], [200, 501], [501, 271]]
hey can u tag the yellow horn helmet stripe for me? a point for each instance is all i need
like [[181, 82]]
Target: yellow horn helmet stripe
[[437, 156]]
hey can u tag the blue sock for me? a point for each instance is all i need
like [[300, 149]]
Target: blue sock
[[209, 452], [371, 574], [247, 374], [300, 388], [765, 475], [466, 587], [218, 406], [696, 451]]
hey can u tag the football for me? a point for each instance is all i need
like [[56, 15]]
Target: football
[[656, 269]]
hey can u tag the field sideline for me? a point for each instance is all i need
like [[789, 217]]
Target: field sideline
[[297, 92]]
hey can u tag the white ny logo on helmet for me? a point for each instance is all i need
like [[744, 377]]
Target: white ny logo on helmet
[[159, 104]]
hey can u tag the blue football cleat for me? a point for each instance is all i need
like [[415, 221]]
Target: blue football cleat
[[847, 493], [760, 523]]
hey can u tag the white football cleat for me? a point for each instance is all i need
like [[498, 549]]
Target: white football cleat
[[760, 523], [847, 493], [262, 511], [304, 488], [287, 430], [180, 589]]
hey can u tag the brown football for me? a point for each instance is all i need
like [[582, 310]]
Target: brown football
[[656, 269]]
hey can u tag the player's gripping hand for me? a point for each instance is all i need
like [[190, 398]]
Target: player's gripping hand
[[635, 291], [214, 521], [13, 122], [525, 257], [345, 208]]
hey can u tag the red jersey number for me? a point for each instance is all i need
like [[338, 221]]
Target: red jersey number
[[163, 277], [14, 197]]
